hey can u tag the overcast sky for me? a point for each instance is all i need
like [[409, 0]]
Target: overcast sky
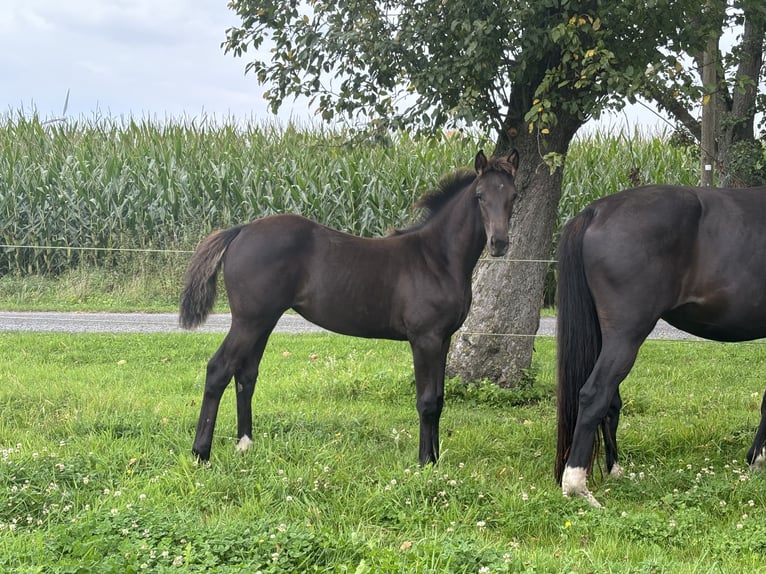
[[145, 58], [119, 57]]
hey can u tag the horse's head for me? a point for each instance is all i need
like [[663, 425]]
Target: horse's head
[[495, 192]]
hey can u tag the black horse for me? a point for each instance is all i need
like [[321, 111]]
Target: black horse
[[691, 256], [412, 285]]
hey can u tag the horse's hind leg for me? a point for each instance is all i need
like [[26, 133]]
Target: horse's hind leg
[[219, 373], [609, 431], [235, 356], [596, 398], [245, 378], [429, 356], [755, 456]]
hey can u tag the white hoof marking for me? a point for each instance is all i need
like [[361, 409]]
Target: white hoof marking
[[244, 444], [617, 471], [574, 481], [758, 462]]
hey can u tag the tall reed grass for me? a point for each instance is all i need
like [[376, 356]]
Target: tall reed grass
[[83, 190]]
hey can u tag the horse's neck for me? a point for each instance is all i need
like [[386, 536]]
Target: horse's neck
[[456, 234]]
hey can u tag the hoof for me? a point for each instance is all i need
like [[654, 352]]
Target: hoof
[[574, 482], [244, 444], [202, 455], [757, 463]]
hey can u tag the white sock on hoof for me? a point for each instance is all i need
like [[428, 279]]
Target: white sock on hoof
[[574, 481], [758, 462], [244, 444]]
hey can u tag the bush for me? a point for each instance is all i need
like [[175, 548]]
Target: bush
[[747, 164]]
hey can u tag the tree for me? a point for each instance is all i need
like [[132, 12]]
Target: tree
[[532, 72], [679, 88]]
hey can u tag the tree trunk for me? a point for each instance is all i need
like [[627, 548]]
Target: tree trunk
[[735, 104], [737, 125], [497, 339], [709, 124]]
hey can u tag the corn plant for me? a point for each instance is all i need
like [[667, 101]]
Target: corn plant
[[106, 185], [601, 164], [82, 191]]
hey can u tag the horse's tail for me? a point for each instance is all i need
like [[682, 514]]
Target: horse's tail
[[578, 332], [200, 281]]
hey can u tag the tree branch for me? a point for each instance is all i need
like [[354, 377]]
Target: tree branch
[[670, 104]]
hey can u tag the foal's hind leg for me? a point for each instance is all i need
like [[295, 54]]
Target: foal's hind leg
[[235, 356], [219, 373], [429, 356], [245, 378], [755, 456]]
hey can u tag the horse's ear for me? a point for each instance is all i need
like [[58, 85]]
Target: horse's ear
[[480, 163], [513, 160]]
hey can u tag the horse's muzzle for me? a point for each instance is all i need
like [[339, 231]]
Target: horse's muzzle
[[498, 246]]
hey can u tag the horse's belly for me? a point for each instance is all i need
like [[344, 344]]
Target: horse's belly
[[725, 329], [355, 323]]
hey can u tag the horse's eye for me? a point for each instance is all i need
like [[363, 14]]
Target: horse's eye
[[480, 197]]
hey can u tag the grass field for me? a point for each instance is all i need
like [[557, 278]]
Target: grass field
[[96, 473]]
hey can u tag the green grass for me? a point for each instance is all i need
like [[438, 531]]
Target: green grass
[[94, 289], [96, 474]]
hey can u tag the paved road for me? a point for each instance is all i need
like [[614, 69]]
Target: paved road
[[131, 323], [218, 323]]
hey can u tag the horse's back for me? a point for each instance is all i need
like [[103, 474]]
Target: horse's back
[[639, 232], [694, 256], [664, 208]]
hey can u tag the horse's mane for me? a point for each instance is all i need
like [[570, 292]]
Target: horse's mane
[[448, 187], [434, 200]]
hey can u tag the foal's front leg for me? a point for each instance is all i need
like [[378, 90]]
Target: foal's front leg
[[429, 356]]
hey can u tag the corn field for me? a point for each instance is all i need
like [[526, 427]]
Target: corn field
[[80, 191], [601, 164]]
